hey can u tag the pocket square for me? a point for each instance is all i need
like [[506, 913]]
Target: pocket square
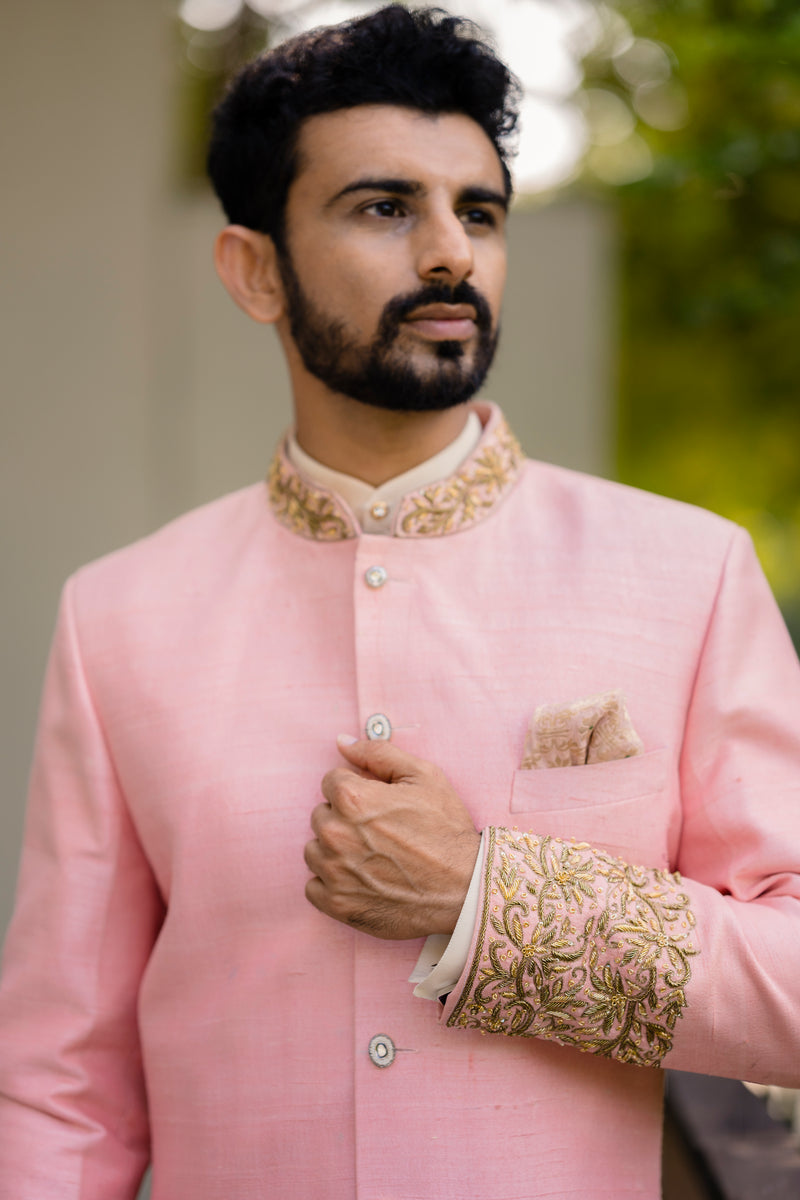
[[597, 729]]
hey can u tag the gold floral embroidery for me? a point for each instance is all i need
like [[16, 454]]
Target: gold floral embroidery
[[445, 507], [587, 951], [310, 512], [597, 729], [470, 494]]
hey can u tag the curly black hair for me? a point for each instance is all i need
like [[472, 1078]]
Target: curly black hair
[[424, 59]]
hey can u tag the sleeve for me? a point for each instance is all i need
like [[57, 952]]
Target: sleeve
[[697, 969], [73, 1120]]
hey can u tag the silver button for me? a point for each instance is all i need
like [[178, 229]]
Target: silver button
[[381, 1050], [379, 510], [376, 576], [378, 728]]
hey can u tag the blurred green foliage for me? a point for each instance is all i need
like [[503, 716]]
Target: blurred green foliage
[[710, 272], [206, 60]]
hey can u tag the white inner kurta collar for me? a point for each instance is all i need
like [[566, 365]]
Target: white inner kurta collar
[[374, 508]]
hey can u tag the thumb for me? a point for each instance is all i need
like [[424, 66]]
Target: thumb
[[381, 759]]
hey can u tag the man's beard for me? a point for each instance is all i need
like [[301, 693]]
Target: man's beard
[[378, 373]]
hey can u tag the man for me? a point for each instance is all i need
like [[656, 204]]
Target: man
[[563, 692]]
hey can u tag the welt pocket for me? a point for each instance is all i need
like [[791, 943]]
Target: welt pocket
[[554, 789]]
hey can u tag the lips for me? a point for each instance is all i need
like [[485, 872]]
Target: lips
[[448, 321], [442, 312]]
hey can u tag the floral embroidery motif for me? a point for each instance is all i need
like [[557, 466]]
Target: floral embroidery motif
[[597, 729], [445, 507], [308, 511], [584, 950], [469, 495]]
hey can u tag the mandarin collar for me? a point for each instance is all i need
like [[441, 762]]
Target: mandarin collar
[[374, 507], [436, 509]]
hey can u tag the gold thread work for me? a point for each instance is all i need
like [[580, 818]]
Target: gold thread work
[[309, 512], [469, 495], [446, 507], [602, 965]]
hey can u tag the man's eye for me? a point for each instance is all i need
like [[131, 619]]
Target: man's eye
[[477, 216], [384, 208]]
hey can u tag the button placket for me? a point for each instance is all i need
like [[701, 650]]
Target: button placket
[[381, 594]]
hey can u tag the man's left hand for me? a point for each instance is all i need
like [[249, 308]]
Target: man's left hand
[[394, 846]]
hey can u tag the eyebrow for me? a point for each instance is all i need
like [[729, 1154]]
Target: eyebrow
[[481, 195], [408, 187]]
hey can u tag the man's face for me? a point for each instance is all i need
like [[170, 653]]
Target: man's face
[[395, 259]]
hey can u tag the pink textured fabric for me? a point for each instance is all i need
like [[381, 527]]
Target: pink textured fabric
[[167, 988]]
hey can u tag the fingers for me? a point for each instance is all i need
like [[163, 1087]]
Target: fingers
[[316, 894], [375, 918], [319, 816], [345, 789], [383, 760], [334, 783], [394, 846], [350, 789], [334, 836]]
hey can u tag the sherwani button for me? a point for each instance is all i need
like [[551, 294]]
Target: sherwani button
[[378, 728], [379, 510], [376, 577], [381, 1050]]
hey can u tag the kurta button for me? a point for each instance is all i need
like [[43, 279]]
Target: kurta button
[[376, 576], [381, 1050], [378, 728], [379, 510]]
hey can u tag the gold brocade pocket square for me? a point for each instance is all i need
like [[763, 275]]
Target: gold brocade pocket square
[[597, 729]]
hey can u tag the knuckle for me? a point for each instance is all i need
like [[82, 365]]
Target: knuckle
[[330, 777], [330, 836], [349, 796], [319, 816], [327, 784], [338, 786]]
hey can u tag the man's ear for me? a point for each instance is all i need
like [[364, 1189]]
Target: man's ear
[[247, 263]]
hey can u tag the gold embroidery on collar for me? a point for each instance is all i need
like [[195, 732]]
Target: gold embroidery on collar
[[455, 503], [589, 951], [469, 495], [308, 511]]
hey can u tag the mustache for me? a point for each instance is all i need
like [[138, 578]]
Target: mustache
[[400, 307]]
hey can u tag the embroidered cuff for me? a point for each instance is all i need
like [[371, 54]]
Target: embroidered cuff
[[577, 947]]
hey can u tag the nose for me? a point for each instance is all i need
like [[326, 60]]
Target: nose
[[445, 251]]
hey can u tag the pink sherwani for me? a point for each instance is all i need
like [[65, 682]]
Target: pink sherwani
[[169, 991]]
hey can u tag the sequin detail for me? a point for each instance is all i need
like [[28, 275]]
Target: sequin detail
[[579, 948]]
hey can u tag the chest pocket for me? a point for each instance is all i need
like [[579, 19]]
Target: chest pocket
[[627, 807]]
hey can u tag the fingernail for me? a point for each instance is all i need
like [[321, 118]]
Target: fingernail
[[344, 739]]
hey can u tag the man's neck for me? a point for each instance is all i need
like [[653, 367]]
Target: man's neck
[[369, 443]]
